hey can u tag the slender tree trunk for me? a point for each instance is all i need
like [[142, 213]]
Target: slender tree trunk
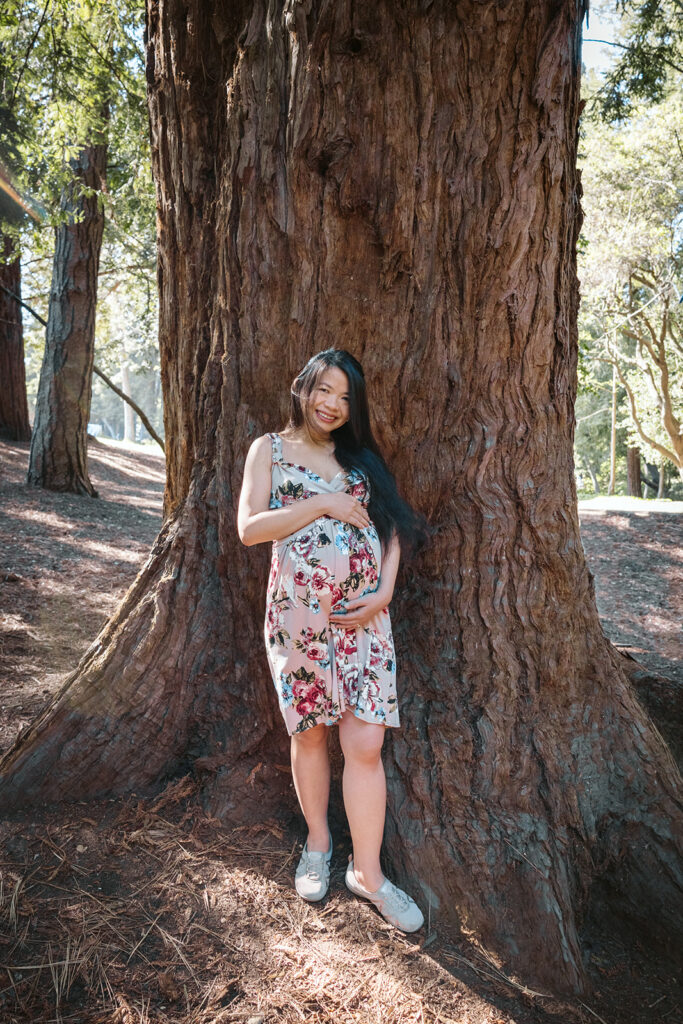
[[399, 179], [650, 478], [14, 422], [661, 489], [59, 452], [634, 486], [611, 488], [128, 414]]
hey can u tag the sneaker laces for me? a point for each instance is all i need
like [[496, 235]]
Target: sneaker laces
[[314, 865], [397, 895]]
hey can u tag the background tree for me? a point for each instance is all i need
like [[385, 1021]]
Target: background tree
[[59, 444], [127, 336], [14, 421], [401, 179], [128, 312], [650, 45], [14, 418], [59, 453], [76, 62], [631, 269], [592, 437]]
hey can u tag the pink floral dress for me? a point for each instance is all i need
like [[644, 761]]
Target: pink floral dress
[[321, 669]]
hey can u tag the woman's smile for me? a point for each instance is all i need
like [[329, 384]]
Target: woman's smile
[[325, 416], [329, 401]]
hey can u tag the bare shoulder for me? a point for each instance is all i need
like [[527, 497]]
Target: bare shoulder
[[260, 444], [260, 450]]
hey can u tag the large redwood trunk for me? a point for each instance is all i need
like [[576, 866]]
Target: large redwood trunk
[[400, 180], [14, 422], [59, 446]]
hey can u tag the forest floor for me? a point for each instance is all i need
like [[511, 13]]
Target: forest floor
[[137, 911]]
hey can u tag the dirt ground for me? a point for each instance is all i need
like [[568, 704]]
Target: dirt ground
[[635, 551], [149, 912]]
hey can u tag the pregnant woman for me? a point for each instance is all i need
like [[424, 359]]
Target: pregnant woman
[[323, 494]]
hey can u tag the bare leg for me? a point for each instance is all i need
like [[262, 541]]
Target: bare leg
[[365, 795], [311, 774]]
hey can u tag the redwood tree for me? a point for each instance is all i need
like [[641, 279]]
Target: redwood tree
[[14, 422], [59, 446], [399, 179]]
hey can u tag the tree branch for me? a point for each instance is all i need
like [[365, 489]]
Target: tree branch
[[637, 276], [676, 341], [28, 54], [21, 302], [672, 456], [148, 426], [116, 71]]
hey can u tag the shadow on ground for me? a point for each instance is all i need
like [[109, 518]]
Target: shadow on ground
[[151, 912], [636, 558]]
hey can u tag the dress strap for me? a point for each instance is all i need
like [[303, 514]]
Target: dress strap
[[276, 442]]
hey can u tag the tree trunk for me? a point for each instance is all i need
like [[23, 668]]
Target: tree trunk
[[14, 422], [634, 485], [594, 479], [59, 447], [661, 489], [128, 414], [611, 487], [400, 180], [650, 478]]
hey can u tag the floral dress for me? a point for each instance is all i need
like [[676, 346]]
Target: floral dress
[[321, 669]]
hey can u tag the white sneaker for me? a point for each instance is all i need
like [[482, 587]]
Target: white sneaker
[[312, 878], [393, 903]]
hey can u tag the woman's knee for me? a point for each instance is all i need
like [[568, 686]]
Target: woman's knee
[[361, 741], [310, 739]]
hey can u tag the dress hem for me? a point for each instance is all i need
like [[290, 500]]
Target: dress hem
[[335, 721]]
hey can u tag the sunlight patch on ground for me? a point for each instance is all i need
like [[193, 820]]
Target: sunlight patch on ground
[[622, 503], [131, 446]]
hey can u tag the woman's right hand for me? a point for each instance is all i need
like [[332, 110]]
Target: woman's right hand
[[257, 522], [347, 509]]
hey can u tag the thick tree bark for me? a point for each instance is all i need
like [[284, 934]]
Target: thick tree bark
[[400, 180], [634, 484], [59, 447], [14, 421]]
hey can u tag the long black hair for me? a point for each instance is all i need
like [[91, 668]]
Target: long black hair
[[355, 448]]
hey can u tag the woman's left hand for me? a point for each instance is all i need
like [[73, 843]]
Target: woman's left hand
[[360, 610]]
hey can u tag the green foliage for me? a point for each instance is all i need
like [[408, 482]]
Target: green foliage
[[631, 270], [651, 49], [72, 74]]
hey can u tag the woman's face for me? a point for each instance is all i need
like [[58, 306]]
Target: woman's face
[[328, 404]]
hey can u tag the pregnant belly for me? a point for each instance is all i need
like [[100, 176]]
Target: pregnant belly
[[333, 560]]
